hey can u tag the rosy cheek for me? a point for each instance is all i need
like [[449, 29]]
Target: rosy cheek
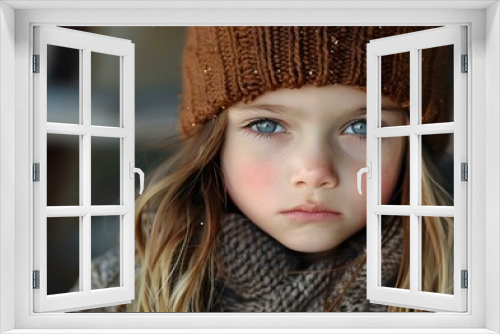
[[256, 176]]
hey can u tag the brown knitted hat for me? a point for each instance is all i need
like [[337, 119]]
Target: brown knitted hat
[[224, 65]]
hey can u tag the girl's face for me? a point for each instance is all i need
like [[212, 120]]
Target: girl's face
[[304, 147]]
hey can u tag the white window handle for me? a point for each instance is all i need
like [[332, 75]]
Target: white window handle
[[361, 171], [141, 175]]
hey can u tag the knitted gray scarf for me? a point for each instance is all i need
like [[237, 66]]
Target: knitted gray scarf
[[261, 275]]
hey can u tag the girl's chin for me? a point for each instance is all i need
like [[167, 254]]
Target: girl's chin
[[312, 250]]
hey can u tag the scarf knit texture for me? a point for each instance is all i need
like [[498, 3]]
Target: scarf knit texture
[[261, 275], [264, 276]]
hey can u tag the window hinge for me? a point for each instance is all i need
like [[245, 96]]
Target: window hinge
[[465, 279], [36, 279], [36, 172], [464, 171], [465, 64], [36, 63]]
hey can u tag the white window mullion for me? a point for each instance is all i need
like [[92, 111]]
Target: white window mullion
[[414, 168], [416, 230], [372, 217], [105, 131], [86, 119], [429, 129], [123, 166], [85, 244], [419, 247], [85, 274], [433, 211], [405, 130], [80, 131], [414, 254], [127, 231], [379, 250], [80, 211], [395, 131], [406, 210], [66, 211], [378, 173], [108, 210]]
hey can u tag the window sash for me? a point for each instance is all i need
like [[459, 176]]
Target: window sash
[[413, 43], [86, 43]]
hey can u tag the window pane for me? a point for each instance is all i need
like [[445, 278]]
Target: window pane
[[63, 85], [395, 187], [105, 171], [437, 84], [391, 86], [437, 170], [63, 254], [395, 251], [105, 249], [105, 89], [437, 257], [63, 170]]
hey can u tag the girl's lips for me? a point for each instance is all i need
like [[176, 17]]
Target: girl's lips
[[311, 216]]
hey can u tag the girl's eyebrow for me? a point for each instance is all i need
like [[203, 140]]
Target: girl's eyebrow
[[274, 108], [278, 109]]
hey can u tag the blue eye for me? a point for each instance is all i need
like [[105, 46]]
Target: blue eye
[[265, 128], [357, 127]]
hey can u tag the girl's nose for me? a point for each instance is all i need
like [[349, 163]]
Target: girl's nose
[[315, 170]]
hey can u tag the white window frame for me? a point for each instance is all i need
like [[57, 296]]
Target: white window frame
[[16, 126]]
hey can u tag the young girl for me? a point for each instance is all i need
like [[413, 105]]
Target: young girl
[[258, 208]]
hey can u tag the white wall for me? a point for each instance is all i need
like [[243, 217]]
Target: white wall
[[492, 167], [7, 162]]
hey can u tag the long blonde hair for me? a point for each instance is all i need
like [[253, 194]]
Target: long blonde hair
[[177, 253], [176, 248], [437, 235]]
